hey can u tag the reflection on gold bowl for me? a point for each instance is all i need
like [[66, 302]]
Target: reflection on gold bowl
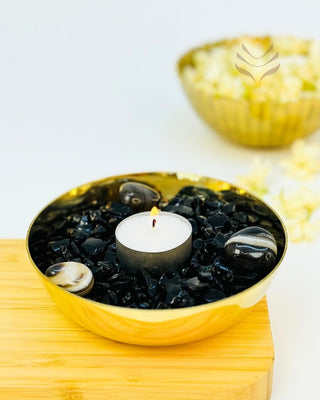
[[153, 327], [250, 122]]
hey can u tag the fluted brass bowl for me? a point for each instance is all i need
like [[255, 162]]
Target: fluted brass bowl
[[152, 327], [248, 122]]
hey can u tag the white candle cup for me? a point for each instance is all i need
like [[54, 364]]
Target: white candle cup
[[165, 246]]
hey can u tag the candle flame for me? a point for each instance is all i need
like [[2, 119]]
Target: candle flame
[[154, 212]]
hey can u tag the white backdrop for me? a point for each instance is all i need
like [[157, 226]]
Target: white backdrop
[[89, 89]]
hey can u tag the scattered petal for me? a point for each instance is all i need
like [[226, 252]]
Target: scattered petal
[[304, 161], [255, 180], [302, 230], [297, 208], [298, 204]]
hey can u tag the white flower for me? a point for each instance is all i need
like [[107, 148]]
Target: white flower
[[304, 161], [297, 208], [255, 180], [302, 230]]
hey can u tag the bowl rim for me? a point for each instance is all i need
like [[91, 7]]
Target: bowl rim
[[172, 311]]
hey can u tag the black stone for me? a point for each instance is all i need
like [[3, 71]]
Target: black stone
[[228, 208], [218, 220], [140, 197], [145, 305], [181, 210], [253, 219], [152, 287], [177, 297], [113, 297], [198, 244], [213, 295], [58, 245], [202, 220], [94, 247], [127, 299], [75, 248], [205, 274], [99, 229], [208, 233], [240, 217], [120, 209], [89, 263], [195, 228], [220, 240], [195, 285], [213, 205], [162, 305], [253, 248], [110, 256]]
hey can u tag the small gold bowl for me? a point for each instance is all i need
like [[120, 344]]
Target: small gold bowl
[[152, 327], [250, 122]]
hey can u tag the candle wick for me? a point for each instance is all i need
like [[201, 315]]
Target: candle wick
[[154, 223]]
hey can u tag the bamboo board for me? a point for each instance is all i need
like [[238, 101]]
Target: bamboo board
[[44, 355]]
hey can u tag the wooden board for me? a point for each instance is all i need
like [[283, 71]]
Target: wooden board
[[44, 355]]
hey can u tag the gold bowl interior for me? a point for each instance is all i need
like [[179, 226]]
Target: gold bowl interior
[[247, 122], [152, 327]]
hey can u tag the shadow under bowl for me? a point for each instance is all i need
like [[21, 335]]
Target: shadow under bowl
[[151, 327]]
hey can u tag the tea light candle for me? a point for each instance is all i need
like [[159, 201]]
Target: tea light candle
[[150, 241]]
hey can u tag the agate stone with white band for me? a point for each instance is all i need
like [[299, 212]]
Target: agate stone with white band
[[252, 248], [72, 276]]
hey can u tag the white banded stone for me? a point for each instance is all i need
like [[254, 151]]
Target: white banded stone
[[252, 248]]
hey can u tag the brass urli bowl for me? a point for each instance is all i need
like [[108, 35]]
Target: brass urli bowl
[[247, 122], [153, 327]]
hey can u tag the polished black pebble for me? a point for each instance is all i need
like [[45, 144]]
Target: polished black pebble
[[252, 248], [138, 196]]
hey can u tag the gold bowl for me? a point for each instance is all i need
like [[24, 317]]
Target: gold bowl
[[250, 122], [153, 327]]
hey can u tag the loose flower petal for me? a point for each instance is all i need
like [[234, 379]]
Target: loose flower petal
[[297, 208], [302, 230], [304, 161], [255, 180]]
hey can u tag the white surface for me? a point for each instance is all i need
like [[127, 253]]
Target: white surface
[[88, 89], [137, 233]]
